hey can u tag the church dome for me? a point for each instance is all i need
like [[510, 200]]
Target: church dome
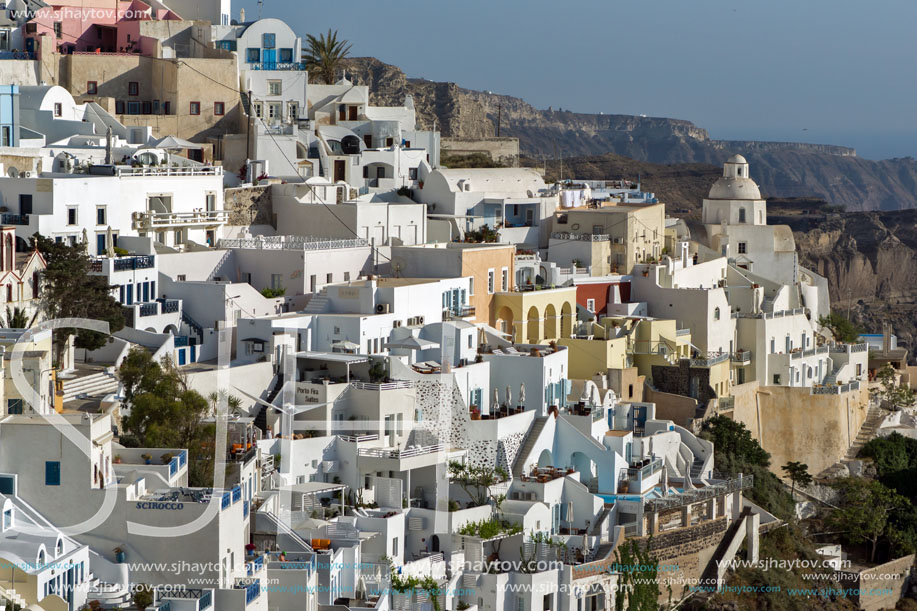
[[734, 188], [735, 182]]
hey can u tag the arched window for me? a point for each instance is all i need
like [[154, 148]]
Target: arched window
[[716, 314], [41, 557], [59, 548], [8, 253]]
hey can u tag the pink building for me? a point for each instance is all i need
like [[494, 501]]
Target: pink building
[[91, 26]]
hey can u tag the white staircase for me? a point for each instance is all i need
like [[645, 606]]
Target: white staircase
[[110, 596], [94, 385], [318, 304], [7, 595]]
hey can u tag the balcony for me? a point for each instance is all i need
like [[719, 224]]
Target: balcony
[[580, 237], [381, 386], [396, 453], [152, 221], [700, 494], [292, 243], [836, 390], [709, 359], [131, 263], [742, 357]]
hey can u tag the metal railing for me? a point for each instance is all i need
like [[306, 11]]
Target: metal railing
[[169, 171], [14, 219], [359, 438], [383, 385], [710, 359], [726, 403], [297, 66], [743, 357], [408, 453], [263, 243], [461, 312], [848, 348], [130, 263], [156, 220], [149, 309], [169, 306], [580, 237]]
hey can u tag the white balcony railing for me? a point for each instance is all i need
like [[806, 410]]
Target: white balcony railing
[[163, 220]]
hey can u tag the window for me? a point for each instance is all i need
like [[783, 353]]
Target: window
[[504, 280], [100, 215], [58, 29], [276, 281], [258, 109], [181, 278], [178, 237], [716, 314], [25, 203], [275, 87], [412, 173], [590, 305], [133, 88], [743, 248], [741, 215], [490, 281], [36, 284], [219, 109], [14, 406], [471, 286], [133, 108], [776, 379], [294, 111], [394, 546], [6, 136], [346, 276], [7, 519], [195, 108], [52, 473], [328, 278], [274, 110], [286, 56], [71, 216], [269, 41], [253, 55], [58, 109], [92, 88]]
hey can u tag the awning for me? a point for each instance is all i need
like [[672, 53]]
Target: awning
[[413, 343], [346, 345], [334, 357], [312, 488], [173, 142]]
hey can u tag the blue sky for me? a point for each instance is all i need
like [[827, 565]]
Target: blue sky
[[832, 71]]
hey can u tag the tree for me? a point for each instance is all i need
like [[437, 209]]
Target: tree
[[143, 597], [895, 394], [17, 319], [477, 481], [638, 579], [324, 54], [165, 413], [70, 291], [798, 473], [841, 328], [865, 511]]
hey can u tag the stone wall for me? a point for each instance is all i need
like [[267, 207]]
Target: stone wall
[[895, 576], [679, 409], [677, 380], [249, 205], [501, 150], [794, 424]]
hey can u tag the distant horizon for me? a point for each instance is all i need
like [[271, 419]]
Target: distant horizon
[[823, 72]]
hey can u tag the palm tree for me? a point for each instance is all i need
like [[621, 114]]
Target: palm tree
[[17, 319], [324, 55]]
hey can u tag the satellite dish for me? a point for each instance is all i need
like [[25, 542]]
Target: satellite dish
[[13, 172]]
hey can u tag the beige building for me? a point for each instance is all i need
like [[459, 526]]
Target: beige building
[[635, 234]]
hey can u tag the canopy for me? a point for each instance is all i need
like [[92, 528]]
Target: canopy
[[413, 343], [173, 142]]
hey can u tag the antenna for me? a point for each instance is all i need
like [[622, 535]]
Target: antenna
[[260, 6]]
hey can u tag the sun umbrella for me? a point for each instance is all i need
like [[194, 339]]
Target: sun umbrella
[[522, 393], [509, 396]]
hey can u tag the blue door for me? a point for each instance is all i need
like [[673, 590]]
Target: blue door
[[100, 244], [270, 59], [193, 353], [181, 357]]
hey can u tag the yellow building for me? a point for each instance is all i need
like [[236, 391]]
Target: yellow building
[[536, 316], [596, 349], [635, 233]]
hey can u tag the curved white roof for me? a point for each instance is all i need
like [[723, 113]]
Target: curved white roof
[[500, 180], [735, 188], [736, 159]]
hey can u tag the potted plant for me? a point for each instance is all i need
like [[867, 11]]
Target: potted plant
[[147, 457], [117, 459], [119, 555], [166, 458]]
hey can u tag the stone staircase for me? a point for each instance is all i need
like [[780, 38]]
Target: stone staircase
[[318, 304], [697, 467], [831, 378], [530, 438], [874, 418], [110, 596], [93, 385], [595, 529]]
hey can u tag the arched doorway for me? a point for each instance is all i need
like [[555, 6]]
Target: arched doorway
[[505, 321], [550, 322], [434, 543], [566, 320], [546, 459], [534, 328]]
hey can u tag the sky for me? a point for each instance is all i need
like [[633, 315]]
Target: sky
[[828, 71]]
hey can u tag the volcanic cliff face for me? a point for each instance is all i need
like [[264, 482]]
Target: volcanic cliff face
[[783, 169], [870, 261]]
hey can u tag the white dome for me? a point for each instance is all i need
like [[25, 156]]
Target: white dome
[[735, 188], [736, 159]]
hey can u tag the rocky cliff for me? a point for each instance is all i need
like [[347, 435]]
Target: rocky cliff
[[783, 169], [870, 261]]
